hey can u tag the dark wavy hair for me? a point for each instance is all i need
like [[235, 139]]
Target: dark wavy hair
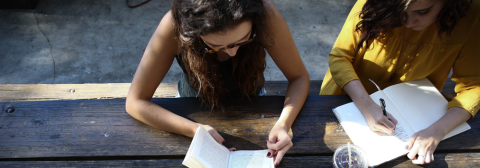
[[378, 16], [195, 18]]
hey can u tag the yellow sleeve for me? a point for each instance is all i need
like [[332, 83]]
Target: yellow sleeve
[[466, 72], [343, 51]]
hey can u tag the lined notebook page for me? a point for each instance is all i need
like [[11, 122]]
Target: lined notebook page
[[378, 148], [421, 104], [402, 125]]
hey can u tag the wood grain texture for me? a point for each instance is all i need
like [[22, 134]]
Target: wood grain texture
[[441, 160], [173, 163], [89, 128], [41, 92], [279, 88]]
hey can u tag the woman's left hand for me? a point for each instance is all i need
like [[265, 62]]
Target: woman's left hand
[[424, 144], [278, 143]]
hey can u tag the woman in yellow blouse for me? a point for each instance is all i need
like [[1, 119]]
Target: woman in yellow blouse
[[402, 40]]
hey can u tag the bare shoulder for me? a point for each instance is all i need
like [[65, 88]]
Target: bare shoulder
[[167, 23], [268, 3], [275, 21], [272, 11], [156, 60], [165, 32]]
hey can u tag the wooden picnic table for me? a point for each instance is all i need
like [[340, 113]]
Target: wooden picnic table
[[99, 133]]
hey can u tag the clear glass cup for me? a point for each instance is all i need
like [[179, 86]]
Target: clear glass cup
[[358, 157]]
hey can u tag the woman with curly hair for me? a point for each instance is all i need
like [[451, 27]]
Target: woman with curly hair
[[221, 47], [396, 41]]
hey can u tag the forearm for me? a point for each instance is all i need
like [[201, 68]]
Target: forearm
[[295, 97], [359, 95], [453, 118], [160, 118]]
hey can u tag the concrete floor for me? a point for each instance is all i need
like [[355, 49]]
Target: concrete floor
[[91, 41]]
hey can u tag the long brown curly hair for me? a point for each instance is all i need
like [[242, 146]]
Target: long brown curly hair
[[195, 18], [378, 16]]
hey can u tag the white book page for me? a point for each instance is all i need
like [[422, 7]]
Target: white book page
[[250, 159], [421, 104], [378, 148], [208, 151], [186, 160], [190, 161]]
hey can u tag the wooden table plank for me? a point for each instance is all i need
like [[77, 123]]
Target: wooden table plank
[[89, 128], [441, 160], [174, 163], [42, 92], [279, 88]]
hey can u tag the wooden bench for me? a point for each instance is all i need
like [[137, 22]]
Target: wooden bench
[[99, 133]]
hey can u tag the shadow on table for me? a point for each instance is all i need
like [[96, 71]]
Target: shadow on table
[[240, 143], [243, 124], [316, 131]]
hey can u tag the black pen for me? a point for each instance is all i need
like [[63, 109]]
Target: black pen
[[382, 104]]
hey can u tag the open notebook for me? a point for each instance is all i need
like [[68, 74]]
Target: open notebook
[[206, 152], [415, 104]]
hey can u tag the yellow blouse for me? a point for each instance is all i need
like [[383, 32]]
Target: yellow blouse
[[424, 55]]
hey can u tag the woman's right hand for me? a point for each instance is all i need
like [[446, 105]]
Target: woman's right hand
[[378, 122], [217, 136]]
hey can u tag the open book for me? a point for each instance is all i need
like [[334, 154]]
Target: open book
[[206, 152], [415, 104]]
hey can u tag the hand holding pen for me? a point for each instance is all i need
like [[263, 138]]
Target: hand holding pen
[[383, 106]]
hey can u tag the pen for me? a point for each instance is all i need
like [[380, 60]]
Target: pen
[[382, 104]]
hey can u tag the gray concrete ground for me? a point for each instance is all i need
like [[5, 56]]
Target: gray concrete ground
[[92, 41]]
